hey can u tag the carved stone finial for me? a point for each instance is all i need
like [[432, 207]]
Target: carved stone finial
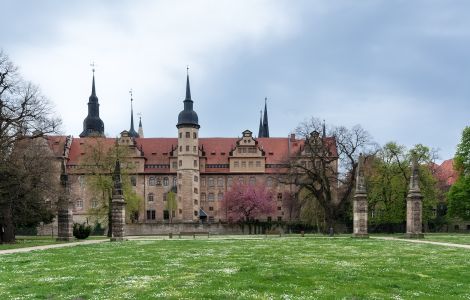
[[414, 177], [360, 180], [117, 190]]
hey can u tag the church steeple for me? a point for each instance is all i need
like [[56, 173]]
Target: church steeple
[[132, 132], [93, 125], [265, 119]]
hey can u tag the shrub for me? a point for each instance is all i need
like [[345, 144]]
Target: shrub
[[97, 229], [81, 231]]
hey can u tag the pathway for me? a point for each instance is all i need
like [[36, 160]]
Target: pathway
[[419, 241], [44, 247]]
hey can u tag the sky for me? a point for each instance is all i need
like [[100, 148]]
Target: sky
[[400, 69]]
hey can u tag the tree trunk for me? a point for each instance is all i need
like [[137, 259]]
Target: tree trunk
[[110, 218], [7, 228]]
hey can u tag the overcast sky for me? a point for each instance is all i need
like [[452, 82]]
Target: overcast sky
[[401, 69]]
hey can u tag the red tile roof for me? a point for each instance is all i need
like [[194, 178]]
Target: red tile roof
[[56, 144], [445, 172], [157, 150]]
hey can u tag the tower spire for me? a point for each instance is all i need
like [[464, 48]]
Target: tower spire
[[260, 130], [93, 125], [265, 119], [324, 129], [141, 129], [132, 132], [188, 89]]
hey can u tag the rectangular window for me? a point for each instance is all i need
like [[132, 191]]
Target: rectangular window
[[236, 164], [203, 182], [243, 164], [250, 164], [211, 181], [159, 181], [203, 196], [220, 196], [187, 148], [220, 182], [194, 149], [252, 180], [181, 134], [195, 163], [151, 214], [181, 163], [211, 197], [279, 208], [164, 197], [258, 164], [134, 181], [79, 204], [152, 180], [229, 181], [174, 165], [194, 135], [188, 135], [279, 196], [211, 208], [165, 181], [150, 197]]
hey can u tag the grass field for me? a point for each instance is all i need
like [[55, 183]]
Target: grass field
[[273, 268]]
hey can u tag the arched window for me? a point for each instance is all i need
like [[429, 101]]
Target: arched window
[[220, 182], [211, 181], [94, 203], [165, 181], [152, 180]]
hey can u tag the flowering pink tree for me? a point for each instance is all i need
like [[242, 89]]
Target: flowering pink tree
[[245, 202]]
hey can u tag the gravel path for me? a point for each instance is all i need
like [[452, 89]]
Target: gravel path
[[27, 249], [420, 241]]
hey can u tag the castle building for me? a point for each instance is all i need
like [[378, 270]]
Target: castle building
[[199, 169]]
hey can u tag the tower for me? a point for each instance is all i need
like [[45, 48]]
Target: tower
[[188, 161], [414, 205], [93, 125], [132, 132]]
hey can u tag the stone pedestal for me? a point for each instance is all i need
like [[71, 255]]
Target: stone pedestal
[[118, 213], [360, 203], [414, 217], [414, 206], [65, 225], [64, 212], [360, 212]]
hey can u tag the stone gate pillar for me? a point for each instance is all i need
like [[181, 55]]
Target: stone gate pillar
[[118, 206], [64, 209], [360, 204], [414, 205]]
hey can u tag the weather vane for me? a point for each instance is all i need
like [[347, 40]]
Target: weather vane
[[187, 69], [92, 65], [130, 92]]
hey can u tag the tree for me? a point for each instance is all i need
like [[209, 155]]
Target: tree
[[387, 179], [458, 198], [323, 169], [25, 116], [246, 202], [99, 166], [171, 205]]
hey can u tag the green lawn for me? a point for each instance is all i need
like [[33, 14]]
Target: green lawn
[[30, 241], [273, 268]]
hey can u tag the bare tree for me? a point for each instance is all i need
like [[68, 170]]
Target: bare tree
[[25, 114], [325, 165]]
